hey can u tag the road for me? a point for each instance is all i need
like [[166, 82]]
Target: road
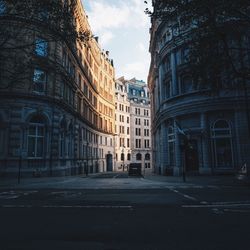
[[137, 214]]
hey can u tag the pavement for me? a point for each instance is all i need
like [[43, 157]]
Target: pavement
[[113, 180]]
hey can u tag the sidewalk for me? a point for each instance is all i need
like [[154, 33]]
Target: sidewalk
[[84, 181], [218, 180]]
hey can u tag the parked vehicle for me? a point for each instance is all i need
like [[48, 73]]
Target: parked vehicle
[[134, 169]]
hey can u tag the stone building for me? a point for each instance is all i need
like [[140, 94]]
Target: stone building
[[139, 148], [122, 127], [215, 125], [57, 107]]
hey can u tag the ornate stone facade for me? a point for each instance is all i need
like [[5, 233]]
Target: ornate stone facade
[[137, 148], [216, 125], [58, 118]]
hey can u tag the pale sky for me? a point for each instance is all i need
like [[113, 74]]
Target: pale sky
[[123, 29]]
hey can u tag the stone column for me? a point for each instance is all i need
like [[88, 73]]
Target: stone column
[[174, 86], [164, 142], [178, 155], [206, 168], [160, 82]]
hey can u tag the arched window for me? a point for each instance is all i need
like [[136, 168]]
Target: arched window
[[222, 144], [128, 157], [122, 156], [138, 157], [36, 137], [147, 157]]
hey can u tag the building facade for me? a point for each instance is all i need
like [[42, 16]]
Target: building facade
[[215, 125], [139, 144], [57, 116], [122, 127]]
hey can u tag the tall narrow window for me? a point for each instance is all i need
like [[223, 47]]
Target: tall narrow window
[[222, 144], [186, 84], [2, 7], [39, 80], [36, 137], [41, 47]]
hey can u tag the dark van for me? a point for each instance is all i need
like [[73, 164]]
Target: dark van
[[134, 169]]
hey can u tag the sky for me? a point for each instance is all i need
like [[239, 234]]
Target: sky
[[123, 30]]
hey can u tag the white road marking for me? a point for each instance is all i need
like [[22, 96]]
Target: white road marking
[[216, 205], [183, 195], [68, 206], [217, 211], [237, 210]]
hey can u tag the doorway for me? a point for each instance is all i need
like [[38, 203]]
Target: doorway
[[192, 157], [109, 162]]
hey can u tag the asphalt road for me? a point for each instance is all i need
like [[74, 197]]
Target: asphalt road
[[151, 217]]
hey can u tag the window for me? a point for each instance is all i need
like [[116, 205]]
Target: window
[[128, 157], [147, 165], [36, 137], [138, 143], [167, 63], [222, 144], [128, 143], [138, 157], [2, 7], [41, 47], [147, 157], [138, 131], [167, 88], [186, 84], [185, 55], [39, 80], [146, 143], [122, 157]]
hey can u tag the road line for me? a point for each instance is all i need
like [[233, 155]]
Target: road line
[[214, 205], [230, 202], [183, 195], [237, 210], [68, 206]]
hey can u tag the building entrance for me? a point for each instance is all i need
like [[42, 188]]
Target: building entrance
[[109, 161], [192, 157]]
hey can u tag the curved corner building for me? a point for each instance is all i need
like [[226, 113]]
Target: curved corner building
[[56, 98], [216, 126]]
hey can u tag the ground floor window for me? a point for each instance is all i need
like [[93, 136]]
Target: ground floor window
[[222, 144], [36, 137], [147, 165]]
